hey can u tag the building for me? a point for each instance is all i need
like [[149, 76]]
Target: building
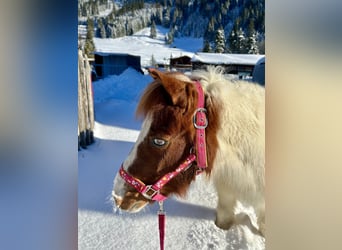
[[237, 64], [106, 64], [259, 72], [182, 63]]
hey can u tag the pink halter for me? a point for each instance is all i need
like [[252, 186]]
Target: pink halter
[[152, 192], [200, 123]]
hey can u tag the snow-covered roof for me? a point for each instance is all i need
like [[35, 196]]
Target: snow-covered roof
[[113, 53], [215, 58]]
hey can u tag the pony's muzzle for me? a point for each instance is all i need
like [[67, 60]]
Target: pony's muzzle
[[118, 200], [129, 204]]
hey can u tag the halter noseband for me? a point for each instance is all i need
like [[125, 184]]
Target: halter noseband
[[200, 121]]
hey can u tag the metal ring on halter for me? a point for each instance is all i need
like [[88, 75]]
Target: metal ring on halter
[[149, 192], [202, 110]]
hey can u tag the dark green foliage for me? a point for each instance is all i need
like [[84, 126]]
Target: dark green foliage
[[130, 5], [153, 31], [166, 18], [251, 40], [170, 36], [206, 47], [101, 28], [210, 32], [89, 46], [241, 20], [220, 45]]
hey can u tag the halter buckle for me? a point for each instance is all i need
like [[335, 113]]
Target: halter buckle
[[149, 192], [204, 111]]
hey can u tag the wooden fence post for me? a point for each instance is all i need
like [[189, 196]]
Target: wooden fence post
[[85, 103]]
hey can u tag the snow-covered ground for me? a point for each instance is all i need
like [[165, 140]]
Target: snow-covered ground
[[189, 222], [142, 45]]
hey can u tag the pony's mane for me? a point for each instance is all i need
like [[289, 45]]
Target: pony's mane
[[211, 76]]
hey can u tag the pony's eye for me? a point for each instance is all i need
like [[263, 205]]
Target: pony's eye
[[159, 142]]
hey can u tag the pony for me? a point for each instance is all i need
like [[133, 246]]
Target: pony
[[234, 143]]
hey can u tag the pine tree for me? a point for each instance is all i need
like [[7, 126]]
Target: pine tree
[[89, 45], [90, 28], [240, 42], [153, 61], [153, 31], [237, 39], [220, 41], [261, 46], [101, 27], [209, 33], [206, 47], [251, 43], [232, 39], [166, 18], [169, 38]]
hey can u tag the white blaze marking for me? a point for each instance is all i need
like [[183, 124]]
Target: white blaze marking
[[119, 189]]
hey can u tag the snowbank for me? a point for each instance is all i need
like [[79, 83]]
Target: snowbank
[[126, 86]]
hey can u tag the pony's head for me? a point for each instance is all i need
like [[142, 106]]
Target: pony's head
[[166, 139]]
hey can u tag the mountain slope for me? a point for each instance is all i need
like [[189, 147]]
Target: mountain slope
[[195, 18]]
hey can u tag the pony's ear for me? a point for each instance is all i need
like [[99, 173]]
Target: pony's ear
[[153, 72], [175, 85]]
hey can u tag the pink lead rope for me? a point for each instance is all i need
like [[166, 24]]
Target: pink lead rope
[[161, 223]]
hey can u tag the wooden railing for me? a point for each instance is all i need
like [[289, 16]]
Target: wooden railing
[[85, 103]]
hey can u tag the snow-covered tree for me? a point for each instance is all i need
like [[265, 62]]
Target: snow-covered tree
[[197, 18], [209, 33], [206, 47], [252, 44], [261, 46], [166, 18], [251, 41], [89, 45], [101, 27], [153, 31], [220, 41], [169, 38], [237, 39], [153, 61], [241, 42]]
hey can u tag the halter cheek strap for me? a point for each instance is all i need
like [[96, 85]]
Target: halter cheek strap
[[200, 122]]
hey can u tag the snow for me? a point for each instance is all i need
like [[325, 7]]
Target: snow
[[215, 58], [140, 44], [189, 221]]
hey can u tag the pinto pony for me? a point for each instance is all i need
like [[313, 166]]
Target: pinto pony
[[165, 158]]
